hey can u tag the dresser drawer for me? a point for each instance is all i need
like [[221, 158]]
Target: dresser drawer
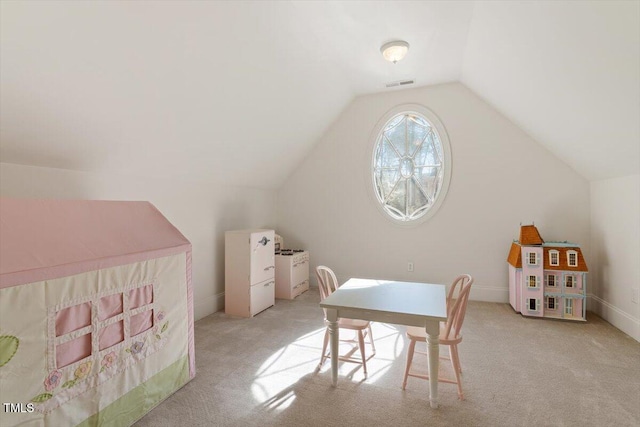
[[262, 296]]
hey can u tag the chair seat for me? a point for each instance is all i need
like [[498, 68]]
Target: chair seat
[[416, 333], [354, 324]]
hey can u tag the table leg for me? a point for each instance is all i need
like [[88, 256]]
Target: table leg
[[332, 318], [433, 349]]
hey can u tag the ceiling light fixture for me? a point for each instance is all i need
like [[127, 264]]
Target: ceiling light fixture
[[394, 51]]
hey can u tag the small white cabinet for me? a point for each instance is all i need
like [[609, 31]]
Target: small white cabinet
[[292, 274], [249, 272]]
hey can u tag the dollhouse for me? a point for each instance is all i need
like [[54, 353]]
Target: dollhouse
[[546, 279]]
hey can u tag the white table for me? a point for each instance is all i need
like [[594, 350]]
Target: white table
[[403, 303]]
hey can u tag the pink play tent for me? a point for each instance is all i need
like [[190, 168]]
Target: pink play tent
[[96, 311]]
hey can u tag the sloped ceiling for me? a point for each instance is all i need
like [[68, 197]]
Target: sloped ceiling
[[568, 73], [241, 91]]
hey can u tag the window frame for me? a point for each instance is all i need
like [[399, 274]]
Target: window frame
[[553, 253], [97, 324], [570, 278], [536, 281], [437, 124], [555, 282], [535, 258], [549, 300], [569, 255]]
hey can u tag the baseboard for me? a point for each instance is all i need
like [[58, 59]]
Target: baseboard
[[206, 306], [612, 314]]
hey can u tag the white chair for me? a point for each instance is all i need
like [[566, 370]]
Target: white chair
[[449, 333], [327, 283]]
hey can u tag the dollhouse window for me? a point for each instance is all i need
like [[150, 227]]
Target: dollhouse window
[[532, 281], [572, 258], [554, 258], [551, 280], [551, 303], [533, 258], [410, 164], [532, 304], [569, 281]]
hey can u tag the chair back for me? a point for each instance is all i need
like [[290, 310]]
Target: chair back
[[456, 313], [455, 289], [327, 281]]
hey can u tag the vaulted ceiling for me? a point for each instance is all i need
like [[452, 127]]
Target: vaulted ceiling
[[241, 91]]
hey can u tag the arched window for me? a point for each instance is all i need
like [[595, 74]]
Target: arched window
[[411, 164]]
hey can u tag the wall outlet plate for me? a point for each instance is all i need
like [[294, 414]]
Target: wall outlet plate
[[634, 295], [409, 266]]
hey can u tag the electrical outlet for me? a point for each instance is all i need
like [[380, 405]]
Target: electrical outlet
[[409, 266], [634, 296]]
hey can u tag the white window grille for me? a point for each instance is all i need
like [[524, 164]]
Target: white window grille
[[570, 281], [551, 303], [410, 166], [551, 280]]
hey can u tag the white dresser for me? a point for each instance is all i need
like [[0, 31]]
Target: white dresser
[[292, 274], [249, 272]]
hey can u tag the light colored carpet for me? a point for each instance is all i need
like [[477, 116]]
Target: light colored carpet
[[516, 372]]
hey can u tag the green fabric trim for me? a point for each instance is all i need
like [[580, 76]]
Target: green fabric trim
[[135, 404], [8, 347]]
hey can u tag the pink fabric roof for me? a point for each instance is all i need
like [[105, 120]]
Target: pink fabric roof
[[46, 239]]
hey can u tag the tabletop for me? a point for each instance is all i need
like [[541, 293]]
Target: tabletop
[[390, 296]]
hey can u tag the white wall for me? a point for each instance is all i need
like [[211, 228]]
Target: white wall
[[615, 243], [567, 73], [501, 177], [202, 211]]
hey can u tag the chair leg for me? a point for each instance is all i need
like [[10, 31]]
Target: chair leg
[[324, 348], [455, 350], [455, 362], [410, 350], [373, 346], [361, 344]]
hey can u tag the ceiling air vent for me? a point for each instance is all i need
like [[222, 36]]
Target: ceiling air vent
[[400, 83]]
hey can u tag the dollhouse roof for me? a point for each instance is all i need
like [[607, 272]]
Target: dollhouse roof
[[514, 257], [529, 235], [563, 258], [47, 239]]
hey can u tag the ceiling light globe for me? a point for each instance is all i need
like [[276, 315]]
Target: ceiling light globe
[[394, 51]]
